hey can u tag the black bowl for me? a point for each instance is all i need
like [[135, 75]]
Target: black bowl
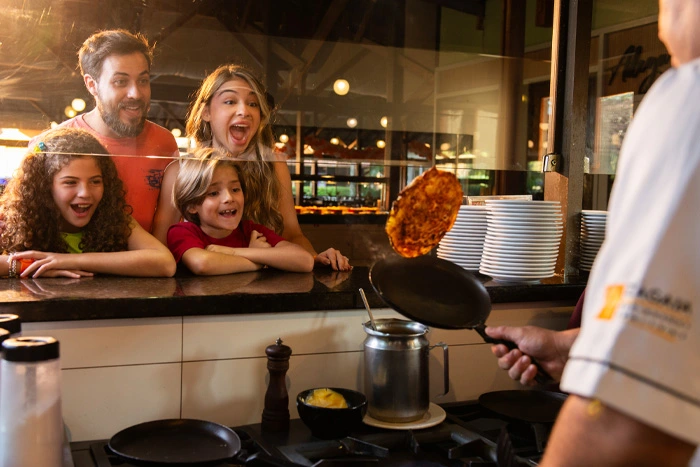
[[327, 423]]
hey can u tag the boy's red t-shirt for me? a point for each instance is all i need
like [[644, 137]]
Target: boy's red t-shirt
[[185, 235]]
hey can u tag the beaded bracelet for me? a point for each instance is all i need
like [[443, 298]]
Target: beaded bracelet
[[18, 266], [12, 273]]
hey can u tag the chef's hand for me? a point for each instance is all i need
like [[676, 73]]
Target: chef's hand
[[549, 348], [333, 258]]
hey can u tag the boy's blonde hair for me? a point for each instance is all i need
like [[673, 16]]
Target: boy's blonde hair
[[194, 179]]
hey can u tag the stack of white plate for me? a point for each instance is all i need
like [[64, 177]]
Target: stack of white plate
[[522, 240], [464, 242], [592, 236]]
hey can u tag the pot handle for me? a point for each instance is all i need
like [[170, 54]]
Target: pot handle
[[542, 376], [446, 365]]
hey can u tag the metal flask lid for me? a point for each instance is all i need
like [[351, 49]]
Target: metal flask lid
[[12, 323], [30, 349]]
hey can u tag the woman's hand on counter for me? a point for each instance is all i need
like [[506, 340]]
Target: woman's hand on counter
[[333, 258]]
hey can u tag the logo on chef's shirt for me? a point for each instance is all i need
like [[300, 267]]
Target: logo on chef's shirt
[[649, 308], [613, 296]]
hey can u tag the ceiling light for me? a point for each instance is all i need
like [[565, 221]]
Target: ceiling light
[[335, 141], [445, 146], [53, 124], [341, 87], [176, 132], [13, 134], [308, 149], [384, 122], [78, 104], [381, 144], [70, 112], [352, 122], [284, 138]]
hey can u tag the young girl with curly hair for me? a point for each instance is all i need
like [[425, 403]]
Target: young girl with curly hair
[[231, 114], [216, 239], [66, 198]]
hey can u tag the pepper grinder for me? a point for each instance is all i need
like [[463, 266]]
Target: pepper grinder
[[275, 416]]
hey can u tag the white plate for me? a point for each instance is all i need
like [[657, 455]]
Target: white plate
[[506, 247], [461, 249], [543, 239], [593, 213], [466, 244], [520, 260], [513, 269], [520, 254], [460, 258], [518, 202], [511, 277], [459, 254], [434, 416], [510, 222], [525, 215], [498, 244], [523, 210], [526, 230]]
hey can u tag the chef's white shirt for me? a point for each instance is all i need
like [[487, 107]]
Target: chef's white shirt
[[639, 346]]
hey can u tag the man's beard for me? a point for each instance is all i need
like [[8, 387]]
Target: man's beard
[[110, 116]]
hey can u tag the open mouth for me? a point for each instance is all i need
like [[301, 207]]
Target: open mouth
[[239, 133], [228, 213], [136, 108], [80, 209]]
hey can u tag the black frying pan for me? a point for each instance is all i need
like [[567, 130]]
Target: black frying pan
[[527, 405], [437, 293], [176, 442]]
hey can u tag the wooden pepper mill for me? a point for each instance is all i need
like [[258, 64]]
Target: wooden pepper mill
[[275, 416]]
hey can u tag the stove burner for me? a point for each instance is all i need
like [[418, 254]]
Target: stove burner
[[470, 436], [448, 445]]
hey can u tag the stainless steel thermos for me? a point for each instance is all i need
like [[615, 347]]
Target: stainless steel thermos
[[31, 427], [396, 357]]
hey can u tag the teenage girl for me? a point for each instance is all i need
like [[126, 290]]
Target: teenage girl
[[216, 239], [230, 113], [66, 198]]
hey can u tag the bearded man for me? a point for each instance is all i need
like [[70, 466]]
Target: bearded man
[[116, 69]]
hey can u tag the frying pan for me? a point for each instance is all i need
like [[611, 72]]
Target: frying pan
[[437, 293], [176, 442], [527, 405]]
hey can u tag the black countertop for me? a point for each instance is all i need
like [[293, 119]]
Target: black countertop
[[266, 291]]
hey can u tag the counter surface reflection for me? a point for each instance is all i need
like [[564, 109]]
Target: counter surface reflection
[[266, 291]]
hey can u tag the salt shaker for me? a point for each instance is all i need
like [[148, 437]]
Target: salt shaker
[[275, 416], [31, 427], [11, 323]]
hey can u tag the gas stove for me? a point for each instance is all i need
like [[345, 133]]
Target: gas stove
[[470, 436]]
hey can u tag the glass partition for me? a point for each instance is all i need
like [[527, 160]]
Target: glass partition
[[366, 96]]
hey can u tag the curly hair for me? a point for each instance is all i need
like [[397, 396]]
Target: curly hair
[[32, 219], [263, 187]]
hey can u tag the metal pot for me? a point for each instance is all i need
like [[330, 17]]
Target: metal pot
[[396, 370]]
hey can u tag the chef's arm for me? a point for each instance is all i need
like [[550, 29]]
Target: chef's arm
[[589, 433]]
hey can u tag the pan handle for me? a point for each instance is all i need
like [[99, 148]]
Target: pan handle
[[542, 377], [446, 364]]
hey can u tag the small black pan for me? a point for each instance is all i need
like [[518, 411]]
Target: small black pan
[[437, 293], [176, 442], [527, 405]]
